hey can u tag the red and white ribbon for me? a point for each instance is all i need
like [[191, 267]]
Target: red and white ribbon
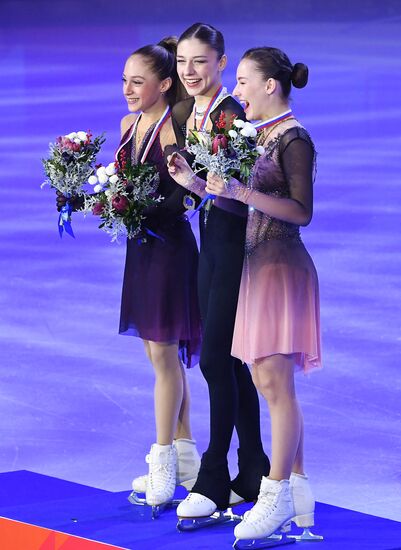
[[272, 121], [216, 99], [156, 130]]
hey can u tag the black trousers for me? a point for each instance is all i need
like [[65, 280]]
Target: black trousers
[[233, 396]]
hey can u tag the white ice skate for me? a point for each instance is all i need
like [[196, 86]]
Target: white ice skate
[[188, 463], [161, 483], [197, 511], [304, 504], [272, 512]]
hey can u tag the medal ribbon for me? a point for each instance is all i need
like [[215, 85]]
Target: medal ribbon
[[212, 105], [156, 130], [271, 121]]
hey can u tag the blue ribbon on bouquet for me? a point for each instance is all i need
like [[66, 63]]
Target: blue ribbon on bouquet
[[203, 202], [142, 240], [64, 220], [152, 234]]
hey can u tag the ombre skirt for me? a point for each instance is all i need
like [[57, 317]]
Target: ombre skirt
[[278, 308]]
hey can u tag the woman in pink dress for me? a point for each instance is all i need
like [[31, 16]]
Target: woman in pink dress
[[277, 327]]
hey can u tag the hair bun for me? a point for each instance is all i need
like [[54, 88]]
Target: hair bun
[[169, 43], [299, 75]]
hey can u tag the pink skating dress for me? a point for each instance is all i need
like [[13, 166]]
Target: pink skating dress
[[278, 307]]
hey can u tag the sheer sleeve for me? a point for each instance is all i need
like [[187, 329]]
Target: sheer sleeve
[[297, 158]]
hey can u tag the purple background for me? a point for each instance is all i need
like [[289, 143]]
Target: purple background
[[75, 397]]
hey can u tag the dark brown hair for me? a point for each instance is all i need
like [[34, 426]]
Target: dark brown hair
[[274, 63], [206, 34], [161, 59]]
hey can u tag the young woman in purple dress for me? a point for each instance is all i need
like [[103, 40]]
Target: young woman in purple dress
[[277, 327], [233, 397], [159, 300]]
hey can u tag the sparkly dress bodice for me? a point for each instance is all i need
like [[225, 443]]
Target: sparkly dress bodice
[[171, 208], [269, 178]]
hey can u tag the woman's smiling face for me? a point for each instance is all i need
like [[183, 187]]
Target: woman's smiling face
[[141, 87], [199, 67], [251, 89]]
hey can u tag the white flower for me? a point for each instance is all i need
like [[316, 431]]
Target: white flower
[[113, 179], [92, 180], [108, 193], [71, 136], [238, 123], [232, 133], [76, 140], [249, 130], [82, 135], [98, 188], [111, 169], [260, 149], [101, 170], [103, 178]]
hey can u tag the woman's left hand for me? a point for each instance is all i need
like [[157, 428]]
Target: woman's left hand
[[216, 186]]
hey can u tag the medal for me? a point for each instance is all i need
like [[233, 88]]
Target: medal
[[189, 202]]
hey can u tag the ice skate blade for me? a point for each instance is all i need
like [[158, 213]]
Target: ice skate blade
[[306, 535], [273, 541], [141, 501], [159, 508], [191, 524], [229, 514], [135, 499]]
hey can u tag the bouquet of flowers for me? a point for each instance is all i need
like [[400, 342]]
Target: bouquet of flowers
[[71, 163], [226, 152], [122, 193]]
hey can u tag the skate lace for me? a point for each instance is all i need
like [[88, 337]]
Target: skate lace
[[163, 472], [161, 475], [264, 507]]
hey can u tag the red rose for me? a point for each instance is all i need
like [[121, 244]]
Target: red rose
[[219, 142], [97, 209], [119, 203], [221, 123]]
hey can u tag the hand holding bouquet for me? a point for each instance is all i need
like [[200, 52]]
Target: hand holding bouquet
[[71, 163], [228, 152], [123, 192]]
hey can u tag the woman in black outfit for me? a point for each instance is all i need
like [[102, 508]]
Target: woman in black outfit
[[233, 397]]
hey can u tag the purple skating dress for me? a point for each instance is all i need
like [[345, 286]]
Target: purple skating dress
[[159, 296], [278, 306]]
